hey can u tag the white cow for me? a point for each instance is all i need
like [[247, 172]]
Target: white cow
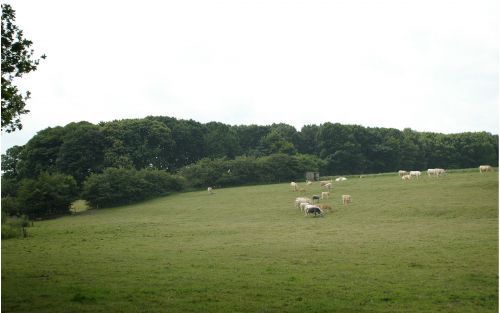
[[303, 206], [402, 173], [325, 194], [300, 200], [431, 172], [328, 186], [440, 171], [406, 177], [436, 172], [415, 173], [485, 168], [210, 190], [340, 179]]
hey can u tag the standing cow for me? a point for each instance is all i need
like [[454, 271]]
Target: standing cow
[[485, 168]]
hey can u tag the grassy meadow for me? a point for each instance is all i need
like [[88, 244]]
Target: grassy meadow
[[427, 245]]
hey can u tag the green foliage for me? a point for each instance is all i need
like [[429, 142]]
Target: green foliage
[[221, 140], [249, 170], [17, 60], [15, 227], [275, 142], [250, 138], [47, 195], [141, 143], [9, 187], [165, 143], [10, 162], [188, 136], [117, 186], [10, 205], [82, 150], [40, 153]]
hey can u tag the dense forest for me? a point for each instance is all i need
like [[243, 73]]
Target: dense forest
[[194, 154]]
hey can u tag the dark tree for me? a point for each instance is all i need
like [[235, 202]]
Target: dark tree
[[81, 152], [221, 140], [17, 60], [40, 153], [250, 136], [138, 143], [188, 136], [47, 195], [275, 142], [10, 162]]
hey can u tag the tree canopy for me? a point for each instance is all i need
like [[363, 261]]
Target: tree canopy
[[17, 59], [220, 154]]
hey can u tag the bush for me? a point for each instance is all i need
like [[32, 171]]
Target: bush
[[14, 227], [9, 231], [48, 195], [159, 182], [117, 186]]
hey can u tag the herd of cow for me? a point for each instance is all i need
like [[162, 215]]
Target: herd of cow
[[311, 206], [405, 175]]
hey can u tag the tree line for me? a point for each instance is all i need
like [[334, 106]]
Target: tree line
[[194, 154]]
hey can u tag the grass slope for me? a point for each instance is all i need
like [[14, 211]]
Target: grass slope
[[421, 246]]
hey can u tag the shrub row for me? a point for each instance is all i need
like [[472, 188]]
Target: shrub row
[[47, 195], [51, 194], [117, 186]]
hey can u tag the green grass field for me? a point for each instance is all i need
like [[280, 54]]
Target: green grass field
[[420, 246]]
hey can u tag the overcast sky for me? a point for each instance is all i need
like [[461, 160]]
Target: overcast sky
[[427, 65]]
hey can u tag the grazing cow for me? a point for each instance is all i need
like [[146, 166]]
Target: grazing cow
[[432, 172], [346, 199], [415, 173], [313, 209], [210, 190], [436, 172], [440, 171], [325, 194], [315, 197], [303, 206], [300, 200], [328, 186], [485, 168], [406, 177], [402, 173]]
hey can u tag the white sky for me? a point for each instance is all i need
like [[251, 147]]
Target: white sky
[[431, 65]]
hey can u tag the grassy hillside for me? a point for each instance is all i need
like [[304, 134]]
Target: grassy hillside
[[421, 246]]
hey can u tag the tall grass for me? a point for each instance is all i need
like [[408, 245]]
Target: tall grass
[[427, 245]]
